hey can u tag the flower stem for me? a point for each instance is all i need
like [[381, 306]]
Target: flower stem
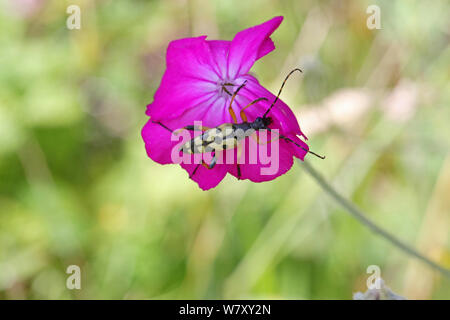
[[362, 218]]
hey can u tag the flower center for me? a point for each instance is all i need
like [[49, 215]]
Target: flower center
[[225, 88]]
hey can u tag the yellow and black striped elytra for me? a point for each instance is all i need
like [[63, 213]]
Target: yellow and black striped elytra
[[211, 140], [228, 135]]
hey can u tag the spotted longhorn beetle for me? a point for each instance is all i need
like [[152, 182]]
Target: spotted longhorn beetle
[[225, 135]]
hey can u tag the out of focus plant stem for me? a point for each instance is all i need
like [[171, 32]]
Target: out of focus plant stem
[[362, 218]]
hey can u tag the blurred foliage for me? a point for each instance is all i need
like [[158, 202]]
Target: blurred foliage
[[76, 186]]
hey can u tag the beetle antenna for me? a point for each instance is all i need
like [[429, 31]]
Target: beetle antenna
[[281, 89], [157, 122], [317, 155], [236, 92], [290, 140], [309, 151]]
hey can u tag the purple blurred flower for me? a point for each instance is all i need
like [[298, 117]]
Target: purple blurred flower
[[25, 8]]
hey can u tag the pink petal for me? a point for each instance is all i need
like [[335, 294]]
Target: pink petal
[[157, 142], [206, 178], [249, 45], [157, 134], [299, 152], [219, 50], [159, 148], [255, 173], [283, 116], [191, 78], [211, 114]]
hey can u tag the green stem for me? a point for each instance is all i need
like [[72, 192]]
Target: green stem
[[361, 217]]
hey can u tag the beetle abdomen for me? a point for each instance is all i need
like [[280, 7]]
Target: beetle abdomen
[[215, 139]]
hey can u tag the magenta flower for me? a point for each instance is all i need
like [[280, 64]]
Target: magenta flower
[[197, 85]]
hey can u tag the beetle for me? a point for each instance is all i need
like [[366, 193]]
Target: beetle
[[229, 135]]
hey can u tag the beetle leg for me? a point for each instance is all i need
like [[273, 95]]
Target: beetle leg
[[193, 172], [192, 128], [196, 128], [210, 166], [243, 115], [238, 158], [239, 152], [256, 138], [205, 165], [196, 168], [230, 109], [225, 89], [233, 115], [213, 162]]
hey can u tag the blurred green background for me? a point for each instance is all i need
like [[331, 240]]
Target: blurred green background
[[76, 186]]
